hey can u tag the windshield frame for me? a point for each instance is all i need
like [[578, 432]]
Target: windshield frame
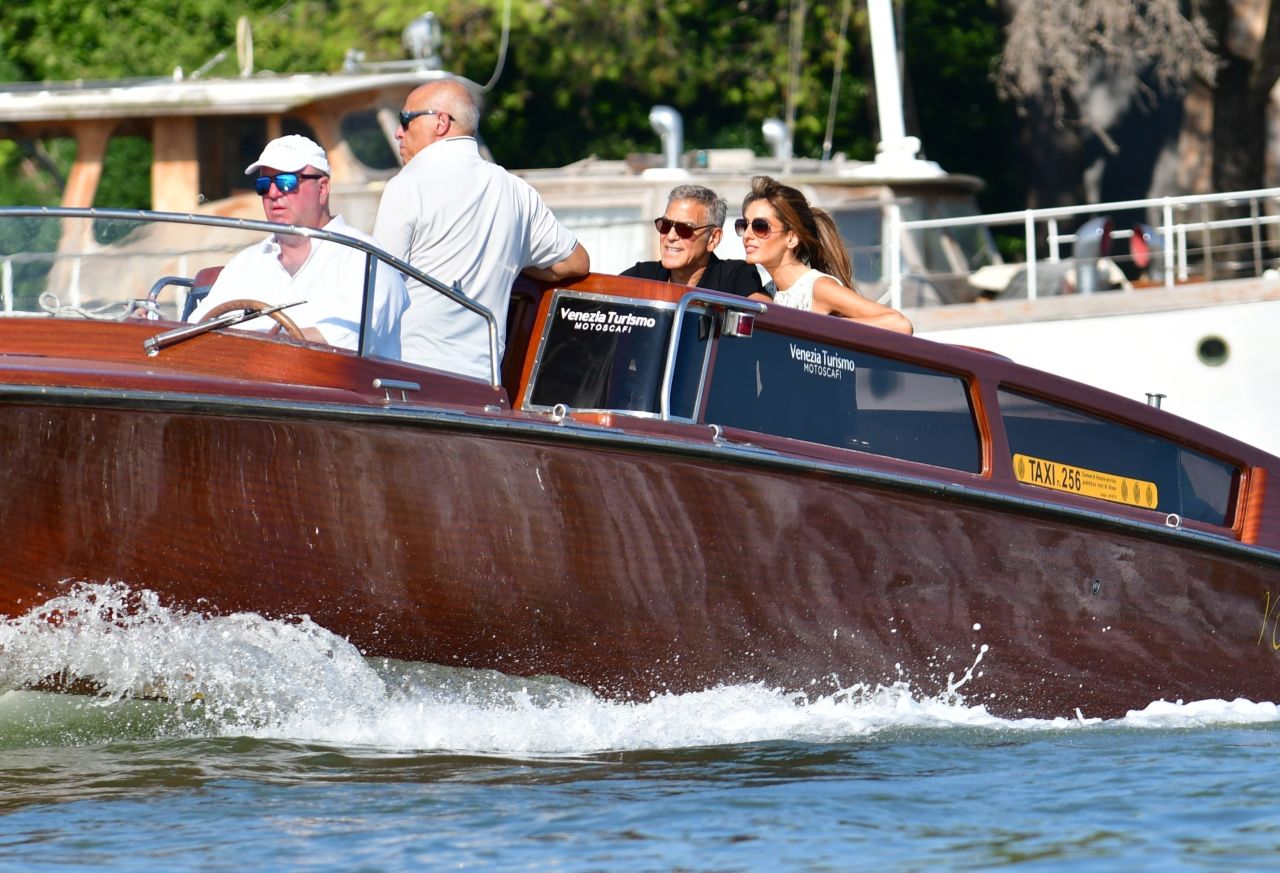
[[371, 251]]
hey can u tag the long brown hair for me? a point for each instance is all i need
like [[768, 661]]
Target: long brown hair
[[821, 246]]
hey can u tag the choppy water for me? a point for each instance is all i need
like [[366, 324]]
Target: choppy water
[[276, 746]]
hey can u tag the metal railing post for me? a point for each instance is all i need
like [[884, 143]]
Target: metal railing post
[[1256, 229], [893, 251], [1029, 222], [1206, 240], [1183, 272], [1167, 215]]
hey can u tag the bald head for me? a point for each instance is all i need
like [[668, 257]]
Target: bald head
[[436, 111], [451, 96]]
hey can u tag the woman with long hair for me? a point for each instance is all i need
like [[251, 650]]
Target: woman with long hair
[[801, 248]]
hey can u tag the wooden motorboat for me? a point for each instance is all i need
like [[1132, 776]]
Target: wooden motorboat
[[660, 489]]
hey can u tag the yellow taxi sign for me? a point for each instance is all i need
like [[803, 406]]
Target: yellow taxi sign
[[1090, 483]]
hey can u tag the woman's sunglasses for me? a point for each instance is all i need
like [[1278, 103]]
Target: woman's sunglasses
[[759, 226], [286, 183], [684, 230]]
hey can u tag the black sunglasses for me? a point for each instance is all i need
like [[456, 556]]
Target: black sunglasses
[[759, 226], [287, 183], [684, 229], [406, 116]]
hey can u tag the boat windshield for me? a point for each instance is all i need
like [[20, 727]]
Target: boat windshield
[[605, 353], [79, 264], [129, 264]]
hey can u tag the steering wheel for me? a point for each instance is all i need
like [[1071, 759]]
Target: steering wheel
[[247, 304]]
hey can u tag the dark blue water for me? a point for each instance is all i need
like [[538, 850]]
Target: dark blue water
[[269, 746]]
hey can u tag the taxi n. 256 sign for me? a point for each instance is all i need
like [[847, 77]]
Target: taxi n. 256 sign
[[1082, 480]]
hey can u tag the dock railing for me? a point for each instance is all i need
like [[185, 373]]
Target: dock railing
[[1176, 226]]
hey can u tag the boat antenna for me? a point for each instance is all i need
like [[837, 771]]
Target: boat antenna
[[835, 81], [502, 47], [793, 86], [241, 22], [244, 46]]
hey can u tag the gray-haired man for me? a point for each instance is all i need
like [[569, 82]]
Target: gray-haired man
[[689, 230]]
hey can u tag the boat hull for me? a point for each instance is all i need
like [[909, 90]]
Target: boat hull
[[632, 566]]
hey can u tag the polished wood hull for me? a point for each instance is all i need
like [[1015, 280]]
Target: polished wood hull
[[629, 565]]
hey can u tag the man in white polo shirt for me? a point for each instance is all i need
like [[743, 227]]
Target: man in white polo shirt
[[460, 218], [293, 179]]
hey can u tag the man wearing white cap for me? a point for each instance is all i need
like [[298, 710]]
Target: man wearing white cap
[[293, 180]]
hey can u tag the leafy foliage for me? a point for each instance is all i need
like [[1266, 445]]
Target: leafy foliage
[[70, 39], [952, 47]]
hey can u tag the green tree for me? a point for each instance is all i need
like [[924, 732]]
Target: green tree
[[69, 39], [950, 48]]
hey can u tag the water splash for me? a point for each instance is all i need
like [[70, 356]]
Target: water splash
[[240, 670], [162, 672]]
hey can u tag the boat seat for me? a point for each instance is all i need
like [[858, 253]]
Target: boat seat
[[200, 285]]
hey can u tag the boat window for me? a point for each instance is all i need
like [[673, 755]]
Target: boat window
[[976, 245], [843, 397], [368, 143], [929, 242], [226, 144], [1065, 450], [860, 229], [949, 249], [122, 186], [601, 353]]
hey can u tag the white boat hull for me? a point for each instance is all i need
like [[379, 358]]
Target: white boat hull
[[1145, 342]]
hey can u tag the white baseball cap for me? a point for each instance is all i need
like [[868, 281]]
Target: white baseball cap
[[290, 154]]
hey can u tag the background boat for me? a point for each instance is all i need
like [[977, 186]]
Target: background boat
[[1182, 311]]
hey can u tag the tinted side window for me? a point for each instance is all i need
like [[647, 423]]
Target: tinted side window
[[1066, 450], [842, 397]]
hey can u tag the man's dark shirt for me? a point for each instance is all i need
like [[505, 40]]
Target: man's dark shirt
[[728, 277]]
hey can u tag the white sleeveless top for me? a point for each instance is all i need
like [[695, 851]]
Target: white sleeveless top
[[800, 294]]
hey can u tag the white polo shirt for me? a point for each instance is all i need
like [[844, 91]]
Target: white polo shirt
[[331, 281], [460, 218]]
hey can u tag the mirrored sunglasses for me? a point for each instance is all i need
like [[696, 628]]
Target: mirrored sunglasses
[[759, 226], [286, 183], [684, 230]]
